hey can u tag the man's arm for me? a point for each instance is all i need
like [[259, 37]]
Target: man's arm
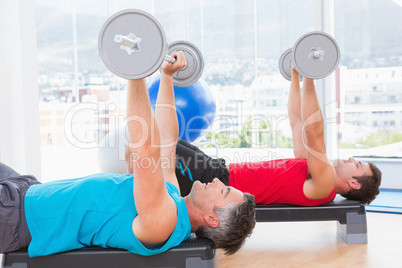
[[322, 172], [166, 117], [294, 114], [157, 212]]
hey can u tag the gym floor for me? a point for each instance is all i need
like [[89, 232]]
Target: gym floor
[[316, 244]]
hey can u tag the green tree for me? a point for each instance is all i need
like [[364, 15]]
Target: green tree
[[379, 138], [243, 138], [218, 140]]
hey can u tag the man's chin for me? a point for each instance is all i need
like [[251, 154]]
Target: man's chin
[[336, 162], [195, 185]]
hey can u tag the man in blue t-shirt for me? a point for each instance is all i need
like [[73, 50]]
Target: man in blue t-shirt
[[145, 214], [152, 144]]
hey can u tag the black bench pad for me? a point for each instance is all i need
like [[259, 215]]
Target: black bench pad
[[194, 252]]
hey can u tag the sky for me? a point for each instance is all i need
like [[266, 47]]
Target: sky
[[96, 7]]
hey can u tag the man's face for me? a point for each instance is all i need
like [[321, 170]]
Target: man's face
[[214, 194], [351, 168]]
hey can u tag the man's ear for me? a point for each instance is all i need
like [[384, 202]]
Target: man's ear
[[354, 184], [211, 220]]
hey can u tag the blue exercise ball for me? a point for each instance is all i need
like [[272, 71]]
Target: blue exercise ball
[[195, 107]]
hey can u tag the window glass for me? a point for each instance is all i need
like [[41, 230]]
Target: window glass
[[370, 77], [81, 101], [242, 43]]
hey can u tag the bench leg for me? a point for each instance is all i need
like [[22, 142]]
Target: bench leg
[[355, 229], [197, 262]]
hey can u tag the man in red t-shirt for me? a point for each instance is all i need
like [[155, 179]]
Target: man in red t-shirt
[[309, 179]]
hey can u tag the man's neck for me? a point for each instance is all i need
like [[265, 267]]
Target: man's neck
[[195, 218], [340, 189]]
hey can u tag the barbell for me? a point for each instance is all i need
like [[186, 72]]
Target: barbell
[[132, 45], [314, 55]]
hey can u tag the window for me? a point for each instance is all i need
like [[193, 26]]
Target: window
[[81, 101], [361, 31]]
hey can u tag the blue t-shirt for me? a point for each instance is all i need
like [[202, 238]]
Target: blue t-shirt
[[97, 210]]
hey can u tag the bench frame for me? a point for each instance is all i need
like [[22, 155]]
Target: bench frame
[[350, 216]]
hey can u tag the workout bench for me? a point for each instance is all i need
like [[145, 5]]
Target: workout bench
[[196, 252], [350, 216]]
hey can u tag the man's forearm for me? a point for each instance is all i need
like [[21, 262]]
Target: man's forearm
[[165, 110], [313, 124], [141, 127], [294, 114], [294, 101]]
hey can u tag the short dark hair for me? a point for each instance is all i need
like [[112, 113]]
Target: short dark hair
[[236, 222], [369, 186]]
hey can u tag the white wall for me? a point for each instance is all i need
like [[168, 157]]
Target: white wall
[[391, 170]]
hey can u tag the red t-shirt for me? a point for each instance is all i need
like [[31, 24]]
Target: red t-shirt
[[274, 182]]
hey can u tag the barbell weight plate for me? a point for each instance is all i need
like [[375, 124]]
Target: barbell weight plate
[[316, 68], [284, 64], [195, 63], [152, 47]]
